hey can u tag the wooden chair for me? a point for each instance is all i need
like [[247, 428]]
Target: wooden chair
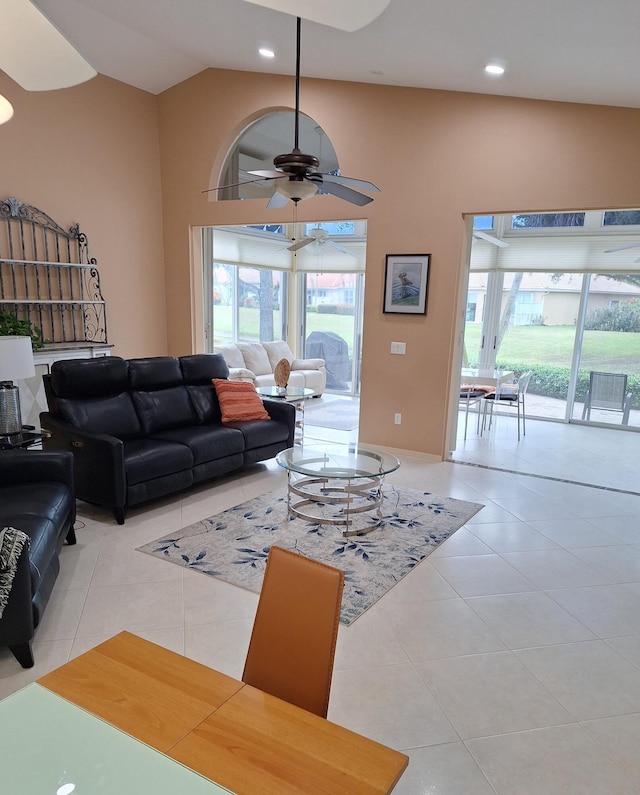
[[295, 630]]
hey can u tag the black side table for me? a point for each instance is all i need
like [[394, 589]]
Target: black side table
[[23, 440]]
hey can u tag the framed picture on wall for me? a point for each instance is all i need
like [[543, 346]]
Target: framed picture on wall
[[406, 279]]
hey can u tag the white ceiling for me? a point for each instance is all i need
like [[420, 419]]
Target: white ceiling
[[569, 50]]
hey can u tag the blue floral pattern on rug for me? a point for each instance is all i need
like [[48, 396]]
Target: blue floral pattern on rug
[[233, 545]]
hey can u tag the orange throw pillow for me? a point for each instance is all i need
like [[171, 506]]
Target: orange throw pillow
[[239, 401]]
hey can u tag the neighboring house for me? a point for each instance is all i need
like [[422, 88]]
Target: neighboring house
[[545, 299]]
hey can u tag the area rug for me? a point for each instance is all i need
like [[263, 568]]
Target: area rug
[[233, 545], [342, 415]]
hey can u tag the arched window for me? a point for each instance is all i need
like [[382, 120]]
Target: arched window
[[264, 139]]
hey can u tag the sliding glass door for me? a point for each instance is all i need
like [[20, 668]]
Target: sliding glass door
[[332, 326], [562, 322]]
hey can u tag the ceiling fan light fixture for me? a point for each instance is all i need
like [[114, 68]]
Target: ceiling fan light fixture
[[296, 190], [6, 109]]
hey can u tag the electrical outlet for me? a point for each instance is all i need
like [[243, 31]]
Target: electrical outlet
[[397, 418], [399, 347]]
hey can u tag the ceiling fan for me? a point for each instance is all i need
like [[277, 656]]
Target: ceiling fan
[[490, 239], [296, 174], [623, 248], [320, 237]]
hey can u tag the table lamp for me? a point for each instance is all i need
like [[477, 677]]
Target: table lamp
[[16, 362]]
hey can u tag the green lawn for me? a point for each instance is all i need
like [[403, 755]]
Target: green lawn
[[613, 351], [250, 324]]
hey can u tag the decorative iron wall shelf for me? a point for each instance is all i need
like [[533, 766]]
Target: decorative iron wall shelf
[[47, 277]]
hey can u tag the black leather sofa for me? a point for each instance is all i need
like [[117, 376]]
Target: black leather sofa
[[37, 497], [144, 428]]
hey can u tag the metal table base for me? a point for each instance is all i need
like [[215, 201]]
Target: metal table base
[[363, 495]]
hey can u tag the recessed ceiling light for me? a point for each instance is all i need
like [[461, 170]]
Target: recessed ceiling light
[[494, 69], [266, 53]]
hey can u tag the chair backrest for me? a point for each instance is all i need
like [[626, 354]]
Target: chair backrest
[[523, 382], [294, 636], [607, 390]]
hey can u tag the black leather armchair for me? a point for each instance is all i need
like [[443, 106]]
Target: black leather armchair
[[37, 497]]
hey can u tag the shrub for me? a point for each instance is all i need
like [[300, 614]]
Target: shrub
[[550, 381], [335, 309], [624, 316]]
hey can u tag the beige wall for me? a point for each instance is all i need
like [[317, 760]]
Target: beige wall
[[435, 155], [130, 168], [90, 155]]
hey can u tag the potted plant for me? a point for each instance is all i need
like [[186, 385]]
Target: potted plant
[[11, 324]]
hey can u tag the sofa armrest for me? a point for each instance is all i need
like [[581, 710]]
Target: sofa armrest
[[36, 466], [307, 364], [98, 461], [281, 411], [241, 374], [17, 622]]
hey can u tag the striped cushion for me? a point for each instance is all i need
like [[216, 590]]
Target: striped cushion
[[239, 401]]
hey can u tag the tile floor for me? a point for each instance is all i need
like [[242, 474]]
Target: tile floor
[[590, 454], [507, 662]]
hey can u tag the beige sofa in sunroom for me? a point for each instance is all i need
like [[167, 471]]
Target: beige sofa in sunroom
[[256, 361]]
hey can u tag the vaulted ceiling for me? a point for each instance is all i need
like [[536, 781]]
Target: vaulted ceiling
[[569, 50]]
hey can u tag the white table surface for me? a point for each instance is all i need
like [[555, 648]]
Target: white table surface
[[485, 375]]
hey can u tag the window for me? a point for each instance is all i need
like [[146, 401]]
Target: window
[[259, 143], [483, 222], [621, 218], [546, 220], [247, 304], [472, 306], [334, 227]]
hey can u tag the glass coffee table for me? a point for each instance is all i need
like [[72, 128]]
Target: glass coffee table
[[292, 394], [346, 478]]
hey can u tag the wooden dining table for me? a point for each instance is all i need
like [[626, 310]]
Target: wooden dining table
[[233, 734]]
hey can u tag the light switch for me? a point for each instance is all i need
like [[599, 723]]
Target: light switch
[[399, 347]]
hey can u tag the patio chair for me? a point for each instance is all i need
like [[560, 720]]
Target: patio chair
[[607, 391], [509, 395], [295, 630], [471, 396]]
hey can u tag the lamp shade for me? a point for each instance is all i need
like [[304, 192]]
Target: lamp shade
[[6, 109], [16, 358], [295, 189]]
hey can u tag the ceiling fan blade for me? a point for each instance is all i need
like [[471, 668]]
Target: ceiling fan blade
[[350, 182], [276, 201], [301, 243], [268, 174], [491, 239], [622, 248], [348, 194], [340, 248], [237, 184], [34, 53]]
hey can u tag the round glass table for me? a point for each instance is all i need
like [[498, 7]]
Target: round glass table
[[346, 478], [292, 394]]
